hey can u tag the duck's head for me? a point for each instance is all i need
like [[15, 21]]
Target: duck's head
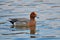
[[33, 15]]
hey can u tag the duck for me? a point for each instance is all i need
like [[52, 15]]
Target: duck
[[24, 22]]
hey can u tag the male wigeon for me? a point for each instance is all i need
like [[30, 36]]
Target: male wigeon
[[21, 22]]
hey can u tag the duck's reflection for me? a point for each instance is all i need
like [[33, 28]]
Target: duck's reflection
[[25, 28], [12, 26], [33, 32], [19, 27], [32, 36]]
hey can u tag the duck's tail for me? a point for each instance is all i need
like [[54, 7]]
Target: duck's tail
[[12, 20]]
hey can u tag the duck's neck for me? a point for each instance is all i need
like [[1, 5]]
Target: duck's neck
[[32, 19]]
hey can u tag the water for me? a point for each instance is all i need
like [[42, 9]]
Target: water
[[48, 23]]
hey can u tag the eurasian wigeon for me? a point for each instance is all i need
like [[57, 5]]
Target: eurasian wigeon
[[25, 22]]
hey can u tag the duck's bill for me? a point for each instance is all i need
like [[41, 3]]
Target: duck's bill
[[37, 17]]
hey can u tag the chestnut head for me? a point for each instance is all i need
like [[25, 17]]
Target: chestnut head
[[33, 15]]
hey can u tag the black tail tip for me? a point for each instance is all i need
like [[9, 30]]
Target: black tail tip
[[11, 22]]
